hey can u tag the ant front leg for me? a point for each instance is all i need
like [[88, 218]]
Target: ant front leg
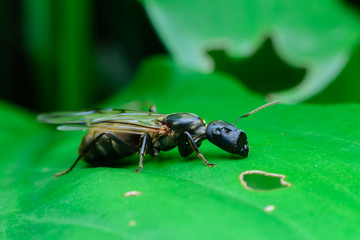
[[187, 145], [146, 147]]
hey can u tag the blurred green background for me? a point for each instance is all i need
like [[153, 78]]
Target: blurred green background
[[58, 55], [71, 54]]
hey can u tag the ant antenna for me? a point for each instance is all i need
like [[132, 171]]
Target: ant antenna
[[257, 109]]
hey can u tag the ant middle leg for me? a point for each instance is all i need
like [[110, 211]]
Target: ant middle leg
[[146, 147]]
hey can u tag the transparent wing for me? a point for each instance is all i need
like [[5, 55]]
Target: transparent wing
[[73, 127], [112, 119], [122, 127], [96, 116]]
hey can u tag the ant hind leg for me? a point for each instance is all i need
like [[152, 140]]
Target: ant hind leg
[[92, 145], [86, 150]]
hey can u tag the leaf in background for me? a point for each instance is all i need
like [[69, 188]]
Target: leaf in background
[[316, 147], [346, 86], [256, 71], [316, 35]]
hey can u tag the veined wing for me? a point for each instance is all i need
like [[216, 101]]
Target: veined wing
[[95, 116], [114, 119], [121, 127]]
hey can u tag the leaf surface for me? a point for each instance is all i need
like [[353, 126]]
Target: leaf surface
[[316, 147]]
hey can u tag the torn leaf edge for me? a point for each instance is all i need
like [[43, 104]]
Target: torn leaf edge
[[281, 176]]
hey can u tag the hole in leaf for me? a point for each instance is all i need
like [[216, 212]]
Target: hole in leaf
[[262, 181], [264, 71]]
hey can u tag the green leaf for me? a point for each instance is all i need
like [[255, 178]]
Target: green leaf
[[316, 147], [316, 35], [345, 88]]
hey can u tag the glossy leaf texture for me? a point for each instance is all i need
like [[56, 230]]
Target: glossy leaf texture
[[316, 147], [318, 36]]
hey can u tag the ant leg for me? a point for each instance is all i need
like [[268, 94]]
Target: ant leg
[[91, 145], [146, 146], [71, 168], [120, 142], [196, 149], [87, 149], [184, 146], [152, 109]]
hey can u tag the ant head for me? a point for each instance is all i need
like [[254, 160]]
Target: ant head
[[227, 137]]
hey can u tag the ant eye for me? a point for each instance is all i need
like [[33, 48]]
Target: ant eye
[[227, 130]]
